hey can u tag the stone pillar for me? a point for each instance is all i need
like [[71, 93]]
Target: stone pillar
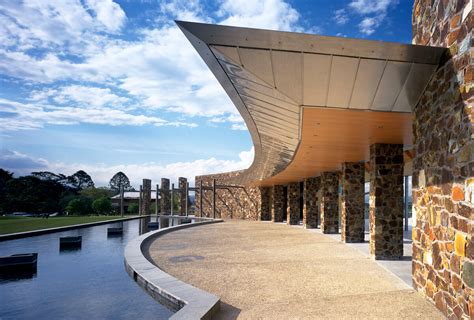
[[443, 166], [183, 197], [329, 204], [278, 203], [352, 202], [293, 206], [145, 197], [386, 201], [310, 202], [165, 201], [265, 204]]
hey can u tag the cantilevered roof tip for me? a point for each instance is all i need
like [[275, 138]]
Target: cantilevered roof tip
[[271, 76]]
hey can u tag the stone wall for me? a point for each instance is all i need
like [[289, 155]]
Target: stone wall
[[386, 201], [443, 247], [329, 203], [265, 204], [293, 208], [352, 202], [278, 203], [310, 202], [165, 201], [182, 183], [236, 202], [145, 201]]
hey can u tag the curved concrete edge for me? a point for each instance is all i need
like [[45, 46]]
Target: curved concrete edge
[[189, 302], [33, 233]]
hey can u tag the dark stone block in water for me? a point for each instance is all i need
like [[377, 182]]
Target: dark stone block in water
[[114, 231], [18, 263], [70, 241]]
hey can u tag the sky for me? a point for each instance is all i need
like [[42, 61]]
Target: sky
[[107, 86]]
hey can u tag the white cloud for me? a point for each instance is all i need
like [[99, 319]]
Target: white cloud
[[268, 14], [373, 13], [28, 116], [239, 126], [109, 13], [79, 95], [368, 25], [22, 164], [340, 17], [158, 69], [371, 6]]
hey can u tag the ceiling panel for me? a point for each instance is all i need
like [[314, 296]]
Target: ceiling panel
[[316, 78], [226, 53], [287, 68], [257, 62], [367, 80], [341, 81], [393, 79], [417, 80]]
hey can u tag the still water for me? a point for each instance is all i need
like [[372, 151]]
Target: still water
[[86, 283]]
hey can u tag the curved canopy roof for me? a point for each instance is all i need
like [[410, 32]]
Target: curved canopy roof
[[312, 102]]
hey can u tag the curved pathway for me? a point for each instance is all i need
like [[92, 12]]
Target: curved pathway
[[263, 270]]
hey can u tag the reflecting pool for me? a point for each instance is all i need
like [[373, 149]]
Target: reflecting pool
[[86, 282]]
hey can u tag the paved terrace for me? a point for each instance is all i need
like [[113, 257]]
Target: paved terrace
[[275, 271]]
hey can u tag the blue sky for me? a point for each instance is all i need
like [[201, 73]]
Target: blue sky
[[105, 86]]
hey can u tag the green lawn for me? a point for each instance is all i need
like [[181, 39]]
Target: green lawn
[[20, 224]]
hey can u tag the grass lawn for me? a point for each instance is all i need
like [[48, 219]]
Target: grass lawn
[[20, 224]]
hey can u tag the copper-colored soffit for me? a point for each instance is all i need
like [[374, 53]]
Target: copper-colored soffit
[[284, 83]]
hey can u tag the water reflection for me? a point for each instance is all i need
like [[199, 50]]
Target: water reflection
[[85, 283]]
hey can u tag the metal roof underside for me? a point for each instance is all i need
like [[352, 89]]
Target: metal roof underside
[[271, 75]]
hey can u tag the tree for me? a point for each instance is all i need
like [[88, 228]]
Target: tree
[[49, 176], [31, 194], [118, 180], [102, 205], [96, 193], [133, 208], [80, 180], [79, 206], [5, 176]]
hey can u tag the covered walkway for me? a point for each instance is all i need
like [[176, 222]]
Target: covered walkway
[[275, 271]]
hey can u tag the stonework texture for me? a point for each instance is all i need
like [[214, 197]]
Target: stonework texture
[[386, 201], [165, 201], [145, 197], [278, 203], [293, 208], [265, 204], [443, 167], [352, 202], [329, 203], [232, 202], [183, 197], [310, 202]]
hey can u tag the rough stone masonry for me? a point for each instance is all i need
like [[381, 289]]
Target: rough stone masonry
[[443, 167], [353, 202]]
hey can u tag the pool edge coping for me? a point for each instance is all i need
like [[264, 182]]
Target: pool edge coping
[[33, 233], [188, 301]]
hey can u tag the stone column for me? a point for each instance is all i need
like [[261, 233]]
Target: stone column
[[293, 206], [352, 202], [183, 197], [310, 202], [165, 201], [265, 204], [146, 197], [386, 201], [278, 203], [329, 204]]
